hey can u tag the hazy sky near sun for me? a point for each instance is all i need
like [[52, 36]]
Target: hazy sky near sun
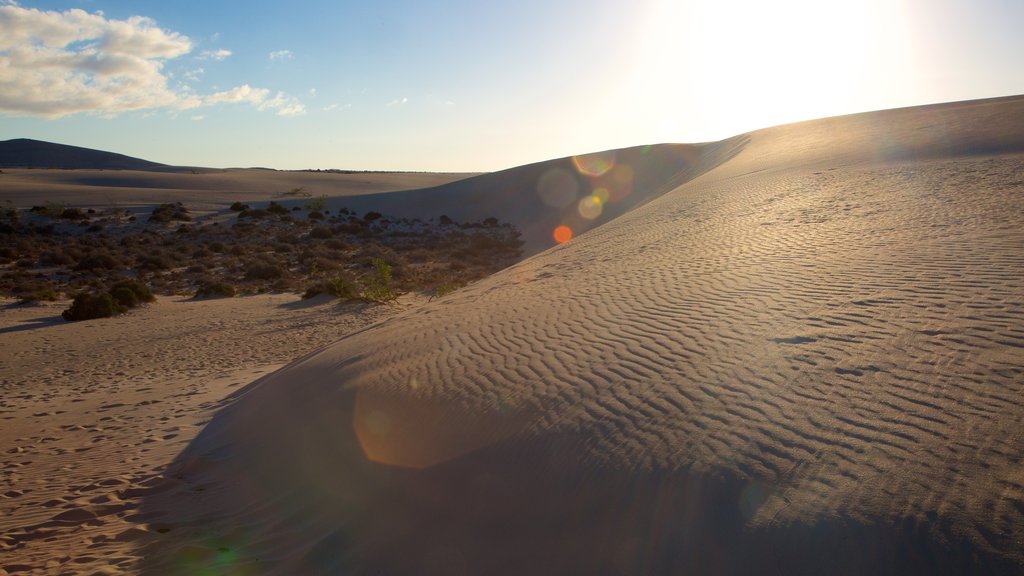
[[464, 85]]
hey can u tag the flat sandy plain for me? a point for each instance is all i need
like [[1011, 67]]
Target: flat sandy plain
[[800, 350]]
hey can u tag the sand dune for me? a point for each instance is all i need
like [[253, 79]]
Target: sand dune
[[207, 190], [92, 412], [804, 360], [794, 351]]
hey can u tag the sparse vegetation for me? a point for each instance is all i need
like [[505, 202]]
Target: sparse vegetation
[[369, 257]]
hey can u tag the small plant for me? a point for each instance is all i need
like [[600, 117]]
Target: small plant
[[131, 293], [168, 212], [377, 287], [372, 215], [300, 191], [317, 204], [275, 208], [41, 295], [212, 289], [50, 209], [320, 232], [340, 287], [256, 270], [445, 289], [239, 207]]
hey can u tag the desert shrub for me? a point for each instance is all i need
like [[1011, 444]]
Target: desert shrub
[[215, 289], [256, 270], [73, 214], [97, 261], [257, 214], [445, 289], [371, 216], [131, 293], [238, 207], [275, 208], [87, 306], [320, 232], [340, 286], [377, 286], [445, 220], [168, 212], [153, 262], [56, 257], [490, 221], [216, 246], [47, 294], [316, 215], [51, 209]]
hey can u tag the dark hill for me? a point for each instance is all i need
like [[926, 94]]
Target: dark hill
[[26, 153]]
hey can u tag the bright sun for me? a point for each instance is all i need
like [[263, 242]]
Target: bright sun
[[734, 66]]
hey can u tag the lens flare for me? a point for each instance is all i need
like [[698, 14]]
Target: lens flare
[[562, 234], [558, 188], [594, 164], [589, 207], [602, 195]]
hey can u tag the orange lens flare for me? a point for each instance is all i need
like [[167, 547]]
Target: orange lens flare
[[594, 164], [562, 234]]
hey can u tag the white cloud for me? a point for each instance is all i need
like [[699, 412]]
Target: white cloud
[[282, 104], [399, 101], [218, 54], [199, 117], [312, 91], [244, 93], [281, 55], [54, 64]]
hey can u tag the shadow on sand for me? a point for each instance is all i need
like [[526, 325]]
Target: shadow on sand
[[309, 501]]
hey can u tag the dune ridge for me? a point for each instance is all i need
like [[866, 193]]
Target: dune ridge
[[805, 359]]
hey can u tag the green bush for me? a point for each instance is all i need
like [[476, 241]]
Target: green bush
[[377, 286], [131, 293]]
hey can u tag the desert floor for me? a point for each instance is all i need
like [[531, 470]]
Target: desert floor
[[92, 412]]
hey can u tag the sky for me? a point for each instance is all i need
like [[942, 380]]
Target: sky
[[463, 85]]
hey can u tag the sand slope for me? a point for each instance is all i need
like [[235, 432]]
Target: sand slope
[[92, 412], [805, 360]]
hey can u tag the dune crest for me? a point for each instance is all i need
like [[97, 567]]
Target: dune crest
[[805, 359]]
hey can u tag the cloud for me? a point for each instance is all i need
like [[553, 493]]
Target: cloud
[[218, 54], [281, 55], [55, 64], [281, 103], [399, 101], [198, 117], [193, 75], [284, 105]]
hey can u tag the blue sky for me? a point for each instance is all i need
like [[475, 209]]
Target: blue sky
[[471, 86]]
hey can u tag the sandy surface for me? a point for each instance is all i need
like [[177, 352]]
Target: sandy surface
[[92, 412], [206, 190], [803, 358]]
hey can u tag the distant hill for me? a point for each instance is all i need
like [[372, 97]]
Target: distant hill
[[26, 153]]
